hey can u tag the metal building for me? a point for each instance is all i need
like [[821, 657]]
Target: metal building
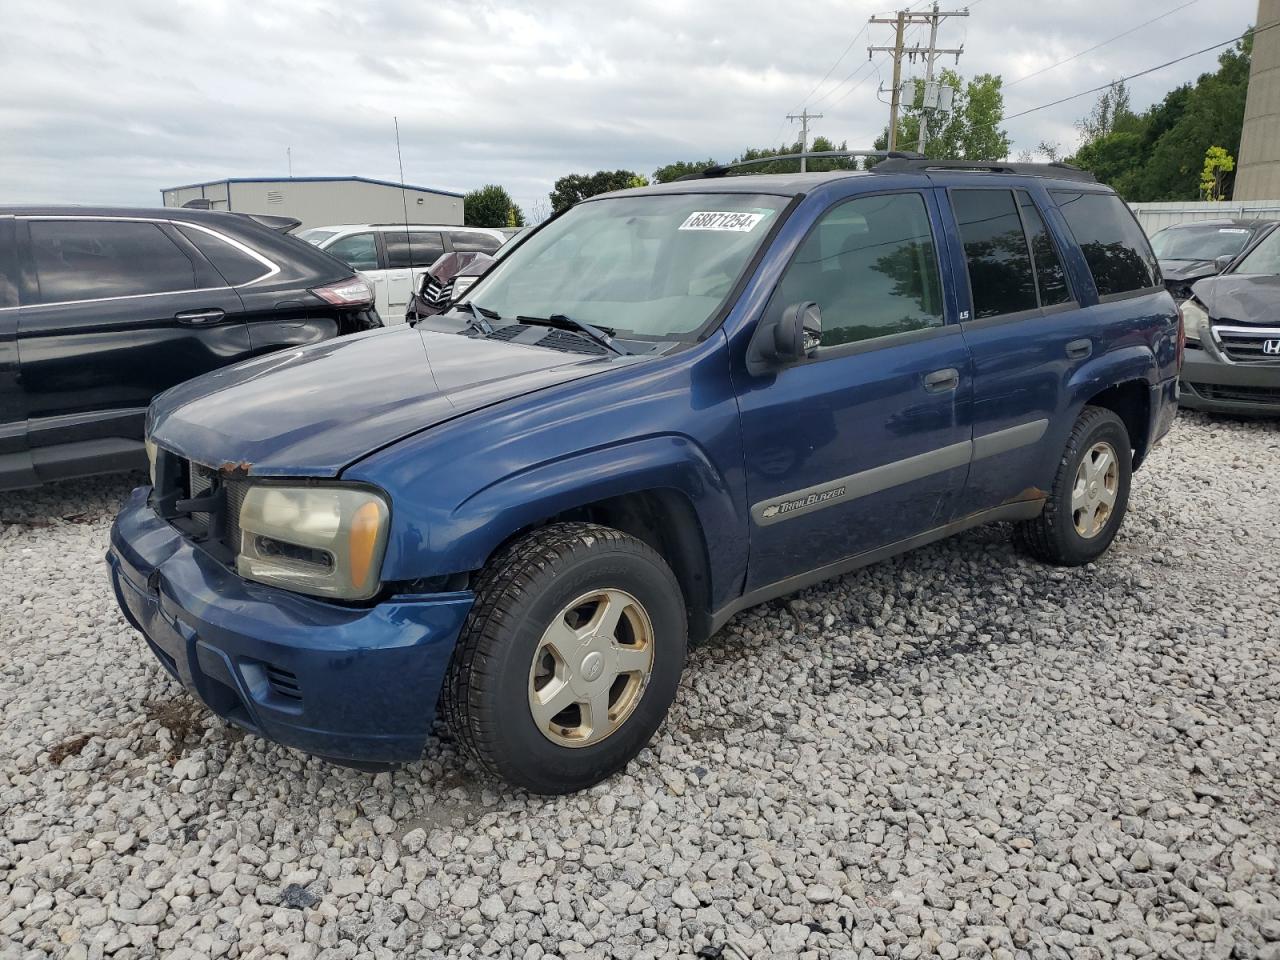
[[1258, 173], [319, 201]]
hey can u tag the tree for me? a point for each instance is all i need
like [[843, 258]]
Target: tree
[[491, 206], [1217, 163], [570, 189], [674, 171], [1159, 154], [970, 131]]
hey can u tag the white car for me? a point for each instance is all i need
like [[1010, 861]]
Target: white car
[[393, 256]]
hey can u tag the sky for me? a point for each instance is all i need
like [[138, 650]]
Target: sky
[[110, 102]]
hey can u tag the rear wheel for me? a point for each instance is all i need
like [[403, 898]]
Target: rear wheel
[[570, 658], [1090, 493]]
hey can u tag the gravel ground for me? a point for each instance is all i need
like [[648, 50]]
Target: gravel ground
[[956, 753]]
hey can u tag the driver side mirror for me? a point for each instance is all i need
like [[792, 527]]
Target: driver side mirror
[[791, 338], [1223, 261]]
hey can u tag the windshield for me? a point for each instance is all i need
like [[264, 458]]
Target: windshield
[[1199, 243], [315, 237], [651, 266], [1264, 258]]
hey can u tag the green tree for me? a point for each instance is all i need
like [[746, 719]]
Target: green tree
[[491, 206], [681, 168], [1217, 164], [969, 131], [568, 190], [1159, 153]]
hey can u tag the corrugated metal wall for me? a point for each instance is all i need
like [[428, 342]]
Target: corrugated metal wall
[[1157, 216]]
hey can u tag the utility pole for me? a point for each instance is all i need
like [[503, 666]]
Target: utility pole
[[902, 20], [804, 116]]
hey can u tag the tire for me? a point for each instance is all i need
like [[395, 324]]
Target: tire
[[505, 662], [1055, 536]]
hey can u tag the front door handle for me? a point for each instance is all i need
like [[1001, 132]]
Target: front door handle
[[1079, 349], [200, 318], [941, 381]]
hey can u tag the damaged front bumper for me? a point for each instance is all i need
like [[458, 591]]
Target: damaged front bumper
[[357, 685]]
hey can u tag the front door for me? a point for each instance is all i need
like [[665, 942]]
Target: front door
[[860, 446], [115, 311]]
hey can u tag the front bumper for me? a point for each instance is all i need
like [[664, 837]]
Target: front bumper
[[1249, 389], [356, 685]]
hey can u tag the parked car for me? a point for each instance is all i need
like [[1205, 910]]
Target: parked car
[[393, 256], [1233, 336], [664, 406], [1192, 251], [102, 308]]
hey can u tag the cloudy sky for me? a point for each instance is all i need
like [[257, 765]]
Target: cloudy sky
[[109, 102]]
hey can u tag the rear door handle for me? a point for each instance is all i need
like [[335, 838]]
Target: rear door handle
[[200, 318], [941, 381], [1079, 349]]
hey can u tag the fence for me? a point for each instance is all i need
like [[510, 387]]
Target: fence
[[1157, 216]]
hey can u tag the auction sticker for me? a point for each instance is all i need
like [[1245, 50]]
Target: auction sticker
[[720, 220]]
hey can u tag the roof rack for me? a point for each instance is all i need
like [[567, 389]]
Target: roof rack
[[917, 164], [722, 169]]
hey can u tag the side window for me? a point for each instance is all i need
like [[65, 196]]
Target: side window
[[465, 241], [1113, 244], [93, 259], [871, 266], [358, 251], [235, 266], [1050, 276], [413, 249], [995, 249]]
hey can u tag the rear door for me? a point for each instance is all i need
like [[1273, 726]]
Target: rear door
[[1026, 333], [114, 311], [409, 254]]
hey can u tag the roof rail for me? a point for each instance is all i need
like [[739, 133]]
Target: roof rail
[[722, 169], [1057, 169]]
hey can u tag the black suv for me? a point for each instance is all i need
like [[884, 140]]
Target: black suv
[[103, 308]]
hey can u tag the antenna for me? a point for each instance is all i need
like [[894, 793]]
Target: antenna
[[404, 202], [288, 153]]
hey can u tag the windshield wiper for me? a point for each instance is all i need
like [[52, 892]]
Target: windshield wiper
[[602, 337], [476, 316]]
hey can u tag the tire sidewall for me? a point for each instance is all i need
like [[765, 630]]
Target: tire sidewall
[[1109, 428], [520, 747]]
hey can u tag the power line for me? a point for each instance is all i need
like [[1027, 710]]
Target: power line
[[833, 66], [1099, 46], [1141, 73]]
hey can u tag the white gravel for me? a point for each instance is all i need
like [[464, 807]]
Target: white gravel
[[957, 753]]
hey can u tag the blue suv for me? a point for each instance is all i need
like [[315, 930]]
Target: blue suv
[[664, 406]]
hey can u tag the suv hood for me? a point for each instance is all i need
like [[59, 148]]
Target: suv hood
[[313, 411], [1241, 298]]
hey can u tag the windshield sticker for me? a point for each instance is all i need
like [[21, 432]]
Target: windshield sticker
[[720, 220], [1232, 230]]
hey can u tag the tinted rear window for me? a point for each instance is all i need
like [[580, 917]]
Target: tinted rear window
[[234, 264], [413, 249], [1113, 244], [465, 241], [995, 249], [93, 259], [1049, 272]]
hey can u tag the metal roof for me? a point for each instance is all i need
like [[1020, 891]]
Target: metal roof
[[380, 183]]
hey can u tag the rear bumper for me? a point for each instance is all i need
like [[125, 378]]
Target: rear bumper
[[1249, 389], [357, 685]]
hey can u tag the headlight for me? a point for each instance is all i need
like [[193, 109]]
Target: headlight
[[1194, 319], [326, 541], [152, 453]]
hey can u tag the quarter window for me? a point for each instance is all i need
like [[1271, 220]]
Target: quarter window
[[413, 249], [871, 266], [96, 259], [995, 249], [1050, 276], [1113, 244], [359, 251], [235, 266]]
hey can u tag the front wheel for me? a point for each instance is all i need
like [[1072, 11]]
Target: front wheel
[[1090, 493], [569, 659]]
